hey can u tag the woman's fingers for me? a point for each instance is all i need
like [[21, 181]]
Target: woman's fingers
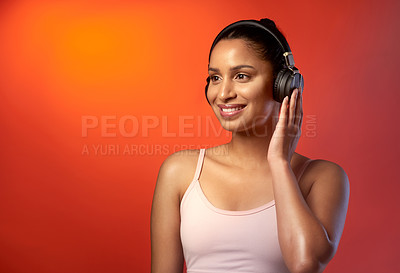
[[292, 107], [299, 110], [283, 113]]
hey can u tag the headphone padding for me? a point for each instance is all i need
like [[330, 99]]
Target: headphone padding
[[281, 87], [276, 86], [286, 84]]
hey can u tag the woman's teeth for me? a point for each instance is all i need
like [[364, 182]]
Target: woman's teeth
[[231, 109]]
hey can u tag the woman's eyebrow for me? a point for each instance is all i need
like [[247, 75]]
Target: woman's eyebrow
[[232, 68]]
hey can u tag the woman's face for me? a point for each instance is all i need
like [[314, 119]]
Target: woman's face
[[240, 89]]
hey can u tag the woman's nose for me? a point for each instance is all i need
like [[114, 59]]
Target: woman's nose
[[226, 90]]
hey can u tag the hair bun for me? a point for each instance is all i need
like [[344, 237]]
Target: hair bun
[[268, 23]]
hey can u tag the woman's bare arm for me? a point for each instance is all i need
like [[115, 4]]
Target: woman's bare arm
[[310, 228], [166, 248]]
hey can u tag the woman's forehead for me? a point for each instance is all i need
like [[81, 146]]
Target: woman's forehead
[[232, 52]]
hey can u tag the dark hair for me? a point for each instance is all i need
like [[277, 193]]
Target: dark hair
[[262, 42]]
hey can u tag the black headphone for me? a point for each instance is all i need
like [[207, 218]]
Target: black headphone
[[288, 78]]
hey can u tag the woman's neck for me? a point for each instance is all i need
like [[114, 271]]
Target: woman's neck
[[249, 152]]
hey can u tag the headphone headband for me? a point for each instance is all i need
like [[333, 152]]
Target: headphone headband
[[287, 55]]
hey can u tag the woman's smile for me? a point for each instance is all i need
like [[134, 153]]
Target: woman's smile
[[230, 110]]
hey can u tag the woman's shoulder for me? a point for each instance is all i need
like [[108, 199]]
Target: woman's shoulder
[[180, 160], [323, 167], [178, 169], [324, 171]]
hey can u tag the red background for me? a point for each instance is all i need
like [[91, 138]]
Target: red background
[[64, 210]]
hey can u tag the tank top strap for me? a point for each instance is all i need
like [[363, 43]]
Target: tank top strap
[[199, 164], [303, 168]]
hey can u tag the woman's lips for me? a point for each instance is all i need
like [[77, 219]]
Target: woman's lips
[[230, 110]]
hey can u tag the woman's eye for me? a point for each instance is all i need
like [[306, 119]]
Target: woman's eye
[[214, 78], [242, 76]]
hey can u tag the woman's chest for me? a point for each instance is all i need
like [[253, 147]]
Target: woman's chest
[[234, 189]]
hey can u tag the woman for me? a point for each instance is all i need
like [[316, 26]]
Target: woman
[[253, 204]]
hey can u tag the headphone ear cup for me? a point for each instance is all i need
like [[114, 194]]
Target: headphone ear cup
[[298, 81], [293, 81], [285, 83], [279, 85], [206, 89]]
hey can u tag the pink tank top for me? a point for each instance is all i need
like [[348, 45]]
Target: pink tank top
[[221, 241]]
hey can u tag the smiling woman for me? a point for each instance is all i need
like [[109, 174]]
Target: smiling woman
[[253, 204]]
